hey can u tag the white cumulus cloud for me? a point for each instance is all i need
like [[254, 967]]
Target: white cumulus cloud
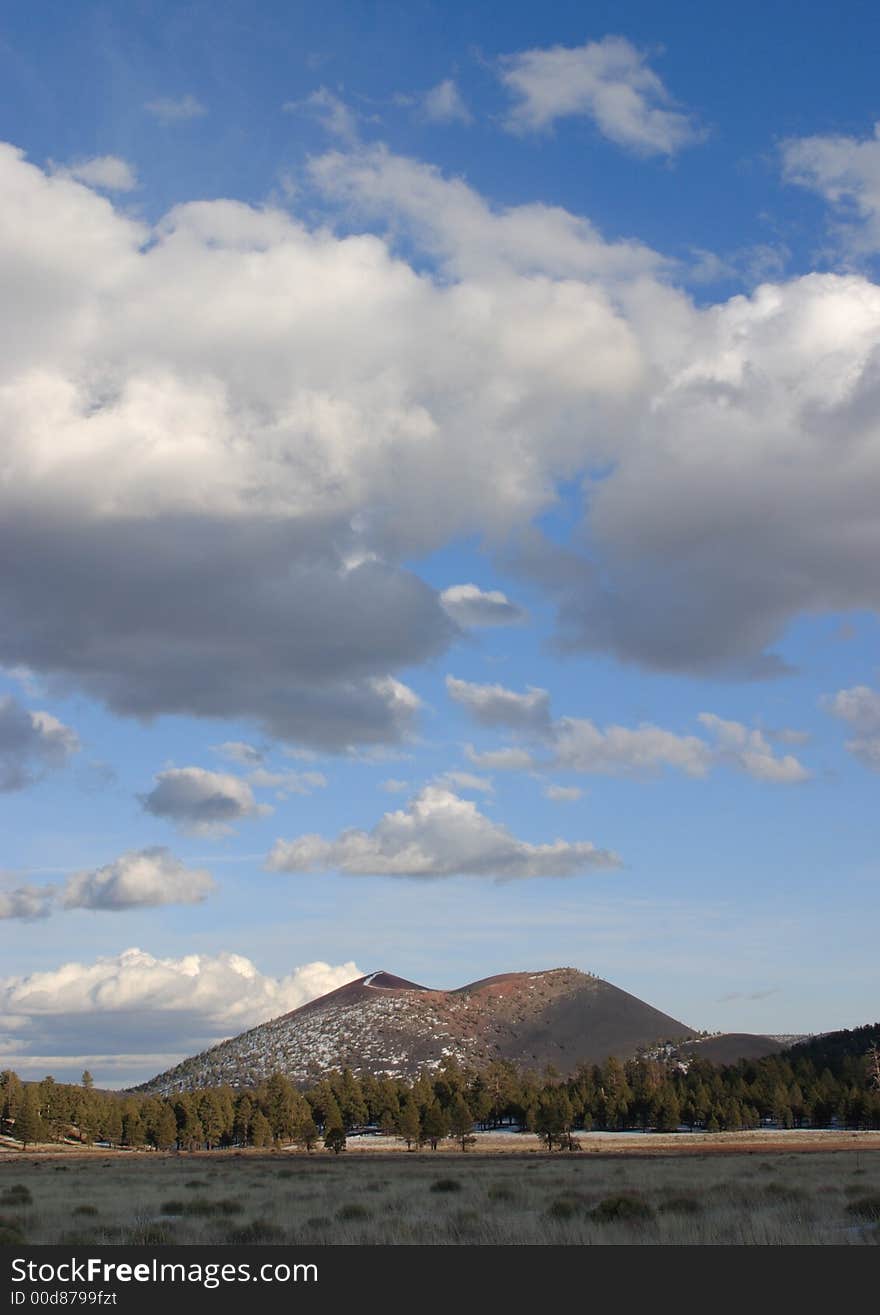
[[203, 802], [578, 744], [109, 173], [845, 171], [439, 834], [330, 111], [239, 751], [31, 743], [608, 81], [135, 1003], [566, 794], [469, 605], [26, 903], [215, 512], [859, 707], [495, 705], [143, 878], [444, 103]]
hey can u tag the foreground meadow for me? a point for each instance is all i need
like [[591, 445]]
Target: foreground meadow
[[810, 1198]]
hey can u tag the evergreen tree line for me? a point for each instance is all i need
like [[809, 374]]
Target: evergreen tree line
[[812, 1086]]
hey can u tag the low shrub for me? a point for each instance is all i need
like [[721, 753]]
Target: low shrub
[[564, 1208], [256, 1232], [85, 1210], [498, 1192], [446, 1185], [202, 1208], [621, 1209], [680, 1205], [866, 1207], [150, 1235], [17, 1194], [352, 1210], [783, 1192]]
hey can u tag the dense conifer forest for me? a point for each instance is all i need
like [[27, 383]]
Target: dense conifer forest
[[830, 1081]]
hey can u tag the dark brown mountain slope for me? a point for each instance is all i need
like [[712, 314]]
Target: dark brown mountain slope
[[729, 1047], [384, 1025]]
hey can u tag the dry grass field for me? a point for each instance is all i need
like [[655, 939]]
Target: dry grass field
[[743, 1197]]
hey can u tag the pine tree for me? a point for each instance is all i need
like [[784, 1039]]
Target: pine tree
[[87, 1080], [244, 1114], [111, 1122], [282, 1109], [261, 1133], [461, 1122], [334, 1138], [667, 1114], [555, 1117], [132, 1125], [435, 1124], [11, 1091], [351, 1100], [211, 1116], [165, 1130], [332, 1116], [53, 1108], [306, 1132], [409, 1124], [28, 1126]]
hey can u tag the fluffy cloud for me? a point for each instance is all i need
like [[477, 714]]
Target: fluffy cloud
[[567, 794], [577, 744], [494, 705], [725, 510], [239, 751], [109, 173], [170, 109], [465, 781], [142, 878], [468, 605], [205, 803], [580, 746], [31, 743], [136, 1000], [507, 262], [752, 753], [508, 759], [330, 111], [610, 82], [860, 708], [733, 511], [210, 512], [26, 902], [845, 171], [445, 104], [438, 835]]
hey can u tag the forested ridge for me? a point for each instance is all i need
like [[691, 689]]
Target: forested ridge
[[827, 1081]]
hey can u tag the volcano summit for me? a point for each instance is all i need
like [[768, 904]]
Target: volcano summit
[[385, 1025]]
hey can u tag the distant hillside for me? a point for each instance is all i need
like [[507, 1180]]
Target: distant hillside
[[729, 1047], [384, 1025], [842, 1053]]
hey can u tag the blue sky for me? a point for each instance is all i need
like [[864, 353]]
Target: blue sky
[[440, 469]]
